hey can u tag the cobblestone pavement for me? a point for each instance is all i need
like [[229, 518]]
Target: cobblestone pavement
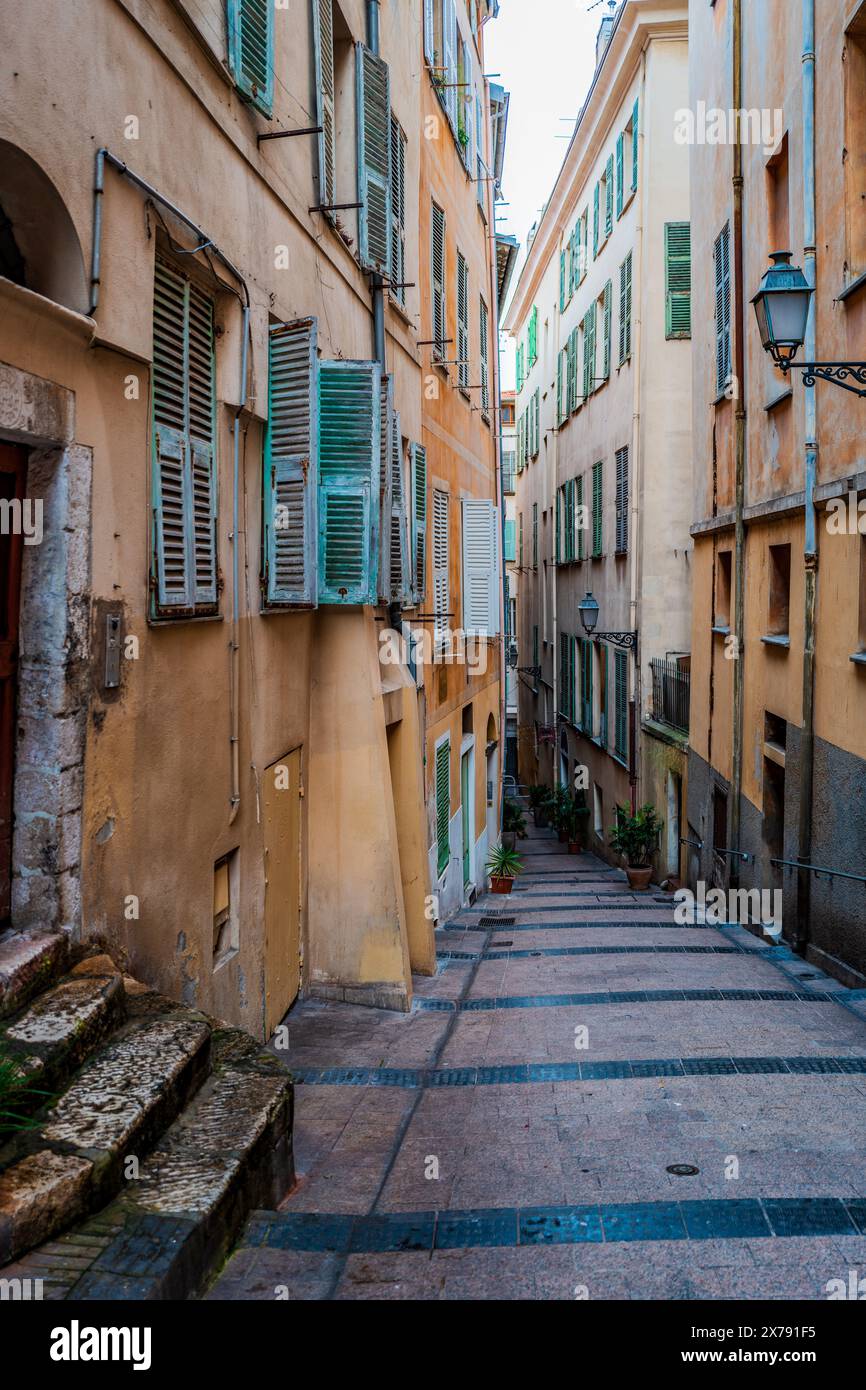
[[514, 1136]]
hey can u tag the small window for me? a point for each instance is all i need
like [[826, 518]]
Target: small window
[[225, 914], [723, 591], [598, 810], [780, 590]]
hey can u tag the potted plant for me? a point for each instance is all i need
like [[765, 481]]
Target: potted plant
[[540, 803], [513, 823], [635, 837], [561, 812], [578, 814], [503, 867]]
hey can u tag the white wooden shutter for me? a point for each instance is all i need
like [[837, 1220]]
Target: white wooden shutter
[[480, 566], [373, 92]]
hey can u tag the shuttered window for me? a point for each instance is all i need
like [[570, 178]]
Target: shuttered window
[[566, 677], [620, 172], [622, 500], [589, 353], [533, 336], [634, 145], [678, 280], [535, 535], [399, 569], [291, 467], [437, 256], [373, 94], [572, 372], [722, 262], [562, 298], [443, 804], [597, 513], [250, 26], [430, 43], [625, 309], [559, 389], [350, 463], [398, 210], [418, 459], [586, 685], [536, 419], [323, 53], [608, 197], [596, 199], [480, 579], [606, 302], [557, 543], [578, 491], [568, 500], [484, 325], [441, 600], [620, 705], [462, 322], [184, 572], [386, 477]]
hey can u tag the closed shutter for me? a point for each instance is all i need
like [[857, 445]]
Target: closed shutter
[[441, 598], [557, 553], [721, 256], [398, 211], [608, 197], [596, 200], [537, 418], [569, 519], [678, 280], [581, 548], [291, 472], [485, 358], [462, 322], [386, 440], [586, 686], [443, 805], [373, 92], [589, 353], [620, 705], [559, 388], [184, 463], [401, 577], [251, 50], [583, 244], [323, 52], [480, 566], [622, 500], [562, 282], [625, 309], [597, 524], [349, 479], [510, 542], [620, 170], [602, 695], [437, 254], [606, 302], [634, 146], [563, 674], [418, 459]]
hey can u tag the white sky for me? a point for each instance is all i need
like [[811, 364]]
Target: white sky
[[544, 51]]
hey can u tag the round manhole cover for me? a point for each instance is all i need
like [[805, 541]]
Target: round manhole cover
[[682, 1170]]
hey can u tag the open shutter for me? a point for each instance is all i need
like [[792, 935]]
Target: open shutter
[[462, 322], [559, 415], [562, 282], [202, 405], [386, 444], [625, 309], [290, 482], [349, 473], [578, 497], [443, 805], [373, 91], [620, 705], [589, 352], [398, 211], [634, 146], [251, 50], [480, 166], [401, 585], [437, 256], [484, 326], [418, 455], [620, 141], [622, 500], [678, 280], [723, 309], [429, 32], [607, 298], [323, 51], [596, 198], [557, 551], [597, 529], [608, 197], [480, 567]]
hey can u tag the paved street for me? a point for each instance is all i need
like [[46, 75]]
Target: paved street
[[513, 1136]]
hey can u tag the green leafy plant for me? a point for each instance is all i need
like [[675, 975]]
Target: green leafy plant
[[513, 820], [17, 1096], [561, 807], [537, 793], [504, 863], [635, 837], [574, 817]]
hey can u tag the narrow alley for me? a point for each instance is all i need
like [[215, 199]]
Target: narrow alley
[[586, 1101]]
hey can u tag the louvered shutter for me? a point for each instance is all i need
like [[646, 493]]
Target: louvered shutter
[[607, 299], [480, 566], [622, 500], [608, 197], [563, 674], [349, 474], [290, 481], [485, 357], [559, 388], [462, 322], [429, 32], [386, 484], [602, 695], [561, 281], [373, 91], [441, 599], [597, 520], [678, 280], [251, 50], [625, 309], [537, 419], [596, 200], [443, 805], [634, 146], [557, 552], [437, 254], [401, 580], [620, 705], [323, 52], [589, 353], [620, 173], [449, 44], [723, 309], [398, 210], [418, 456], [480, 166], [578, 491]]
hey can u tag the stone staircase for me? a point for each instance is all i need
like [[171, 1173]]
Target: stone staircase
[[153, 1130]]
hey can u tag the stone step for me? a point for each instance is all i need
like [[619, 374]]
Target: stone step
[[29, 962], [115, 1109]]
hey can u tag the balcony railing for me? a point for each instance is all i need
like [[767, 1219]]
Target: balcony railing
[[671, 683]]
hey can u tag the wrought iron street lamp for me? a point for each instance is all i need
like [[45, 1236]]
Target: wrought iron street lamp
[[782, 310], [588, 610]]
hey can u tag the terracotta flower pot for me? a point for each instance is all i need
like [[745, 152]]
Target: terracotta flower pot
[[563, 837], [638, 879], [575, 846], [500, 884]]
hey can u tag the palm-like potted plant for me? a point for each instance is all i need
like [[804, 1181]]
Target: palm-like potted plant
[[503, 867], [635, 837], [513, 823]]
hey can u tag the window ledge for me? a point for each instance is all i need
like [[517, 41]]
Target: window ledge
[[777, 400], [852, 289], [721, 629], [776, 640], [859, 658]]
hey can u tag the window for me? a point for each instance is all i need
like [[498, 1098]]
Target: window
[[678, 280], [398, 211], [620, 706], [598, 810], [557, 540], [597, 513], [437, 256], [586, 686], [373, 93], [581, 519], [589, 353], [722, 264], [462, 324], [604, 309], [632, 128], [568, 490], [480, 579], [441, 605], [443, 804], [625, 310], [536, 422], [184, 547], [571, 360], [535, 535], [564, 699], [723, 591], [290, 483], [485, 360], [250, 25], [582, 245], [418, 531], [596, 226], [226, 932], [400, 572], [622, 500], [780, 589], [855, 146]]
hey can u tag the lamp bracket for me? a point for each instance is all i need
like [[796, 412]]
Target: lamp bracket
[[626, 640], [835, 372]]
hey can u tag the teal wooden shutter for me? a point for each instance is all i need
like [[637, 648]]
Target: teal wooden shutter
[[443, 805], [597, 525], [419, 519], [556, 541], [559, 415], [678, 280], [569, 519], [596, 197], [398, 210], [625, 309], [349, 471], [586, 686], [373, 93], [589, 352], [323, 55], [620, 705], [634, 146], [607, 298], [561, 281], [400, 570], [622, 500], [620, 141], [386, 428], [251, 50], [602, 695], [291, 473], [608, 197]]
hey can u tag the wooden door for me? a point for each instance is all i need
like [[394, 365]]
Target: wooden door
[[281, 799], [13, 474]]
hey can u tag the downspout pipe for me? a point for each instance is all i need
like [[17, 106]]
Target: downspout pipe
[[739, 440], [105, 157], [810, 540], [377, 287]]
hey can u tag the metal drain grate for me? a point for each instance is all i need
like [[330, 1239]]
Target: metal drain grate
[[682, 1170], [497, 921]]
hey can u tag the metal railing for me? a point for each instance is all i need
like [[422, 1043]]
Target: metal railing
[[671, 685]]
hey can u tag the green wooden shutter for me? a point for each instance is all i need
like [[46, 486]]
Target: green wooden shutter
[[437, 257], [597, 499], [556, 541], [386, 440], [634, 145], [589, 352], [399, 568], [418, 457], [625, 309], [373, 94], [620, 705], [323, 55], [580, 528], [678, 280], [349, 473], [441, 565], [596, 196], [603, 696], [398, 210], [559, 388], [622, 500], [586, 686], [608, 197], [291, 467], [462, 322], [443, 805], [620, 141], [561, 281], [251, 50], [510, 541], [607, 299], [569, 519]]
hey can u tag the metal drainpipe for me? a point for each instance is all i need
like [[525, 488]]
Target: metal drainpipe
[[376, 284], [103, 157], [810, 434], [635, 520], [740, 440]]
